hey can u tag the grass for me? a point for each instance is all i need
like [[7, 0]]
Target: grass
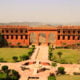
[[68, 77], [69, 55], [8, 53]]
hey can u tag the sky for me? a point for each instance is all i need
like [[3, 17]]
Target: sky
[[50, 11]]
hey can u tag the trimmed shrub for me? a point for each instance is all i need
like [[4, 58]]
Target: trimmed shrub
[[54, 64], [33, 46], [24, 57], [51, 77], [4, 68], [59, 54], [15, 58], [61, 70]]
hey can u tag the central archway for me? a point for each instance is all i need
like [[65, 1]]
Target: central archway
[[42, 38]]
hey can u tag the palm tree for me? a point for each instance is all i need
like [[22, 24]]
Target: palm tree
[[60, 54]]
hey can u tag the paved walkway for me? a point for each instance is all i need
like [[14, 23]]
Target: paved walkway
[[35, 53], [43, 53], [40, 53]]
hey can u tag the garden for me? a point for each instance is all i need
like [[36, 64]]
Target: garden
[[64, 56], [15, 54]]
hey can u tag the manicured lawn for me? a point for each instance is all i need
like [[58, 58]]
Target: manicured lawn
[[8, 53], [69, 55], [68, 77]]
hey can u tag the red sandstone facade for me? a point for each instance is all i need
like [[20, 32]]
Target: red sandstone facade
[[41, 35]]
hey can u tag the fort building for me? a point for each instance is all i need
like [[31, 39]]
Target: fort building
[[26, 35]]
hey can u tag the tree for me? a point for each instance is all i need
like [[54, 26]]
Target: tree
[[33, 46], [15, 58], [24, 57], [8, 74], [50, 55], [54, 64], [5, 68], [61, 70], [15, 73], [60, 54], [51, 77]]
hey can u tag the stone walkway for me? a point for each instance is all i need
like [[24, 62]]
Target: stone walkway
[[43, 53]]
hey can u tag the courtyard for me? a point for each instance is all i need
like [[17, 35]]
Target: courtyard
[[40, 56]]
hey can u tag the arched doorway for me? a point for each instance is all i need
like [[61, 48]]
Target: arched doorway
[[33, 38], [42, 38], [51, 38]]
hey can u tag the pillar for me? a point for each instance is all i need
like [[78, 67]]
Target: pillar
[[28, 39], [37, 39], [47, 39], [71, 37], [61, 37]]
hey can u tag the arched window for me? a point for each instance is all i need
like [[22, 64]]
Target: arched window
[[63, 31], [58, 37], [11, 36], [78, 32], [16, 36], [2, 31], [73, 37], [7, 36], [25, 36], [63, 37], [25, 30], [58, 31], [21, 31], [7, 31], [11, 31], [68, 31], [16, 31], [21, 36], [73, 31], [69, 37], [78, 37]]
